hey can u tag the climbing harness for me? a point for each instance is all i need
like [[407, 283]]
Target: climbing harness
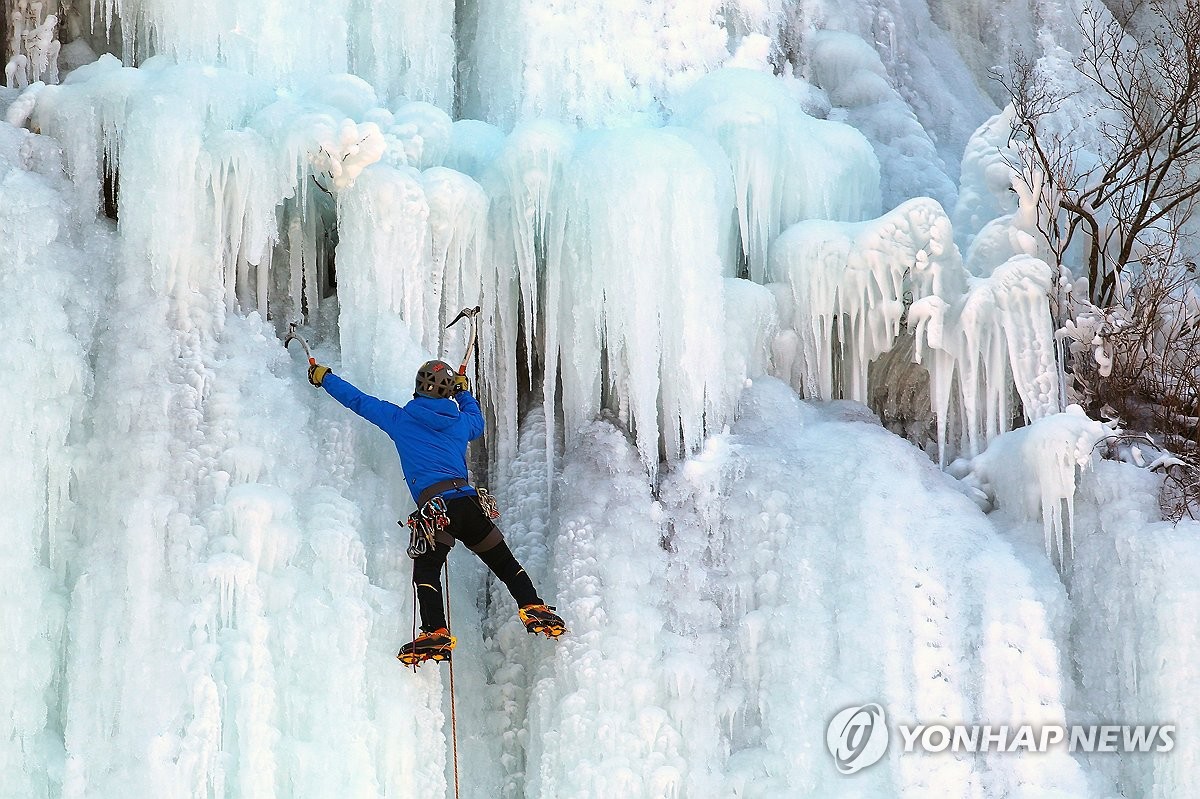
[[424, 524], [433, 517]]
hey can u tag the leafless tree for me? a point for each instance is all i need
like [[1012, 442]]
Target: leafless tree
[[1143, 363], [1126, 192], [1114, 203]]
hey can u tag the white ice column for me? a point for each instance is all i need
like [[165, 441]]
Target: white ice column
[[636, 231], [383, 228]]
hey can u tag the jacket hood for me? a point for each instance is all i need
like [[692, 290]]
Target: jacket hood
[[436, 414]]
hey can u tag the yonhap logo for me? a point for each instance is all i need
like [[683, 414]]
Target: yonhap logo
[[857, 737]]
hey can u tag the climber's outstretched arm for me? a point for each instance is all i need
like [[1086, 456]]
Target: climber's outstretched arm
[[376, 411]]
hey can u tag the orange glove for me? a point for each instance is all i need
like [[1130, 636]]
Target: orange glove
[[316, 373]]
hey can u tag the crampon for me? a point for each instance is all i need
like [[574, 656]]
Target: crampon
[[542, 619], [433, 646]]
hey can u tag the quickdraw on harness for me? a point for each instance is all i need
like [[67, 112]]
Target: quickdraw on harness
[[424, 524], [488, 503]]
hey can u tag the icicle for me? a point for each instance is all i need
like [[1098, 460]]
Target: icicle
[[995, 338], [616, 338], [290, 43], [787, 166], [847, 283], [1051, 451]]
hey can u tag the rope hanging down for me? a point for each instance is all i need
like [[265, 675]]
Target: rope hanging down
[[453, 714], [453, 717]]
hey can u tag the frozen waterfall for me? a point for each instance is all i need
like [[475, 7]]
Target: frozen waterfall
[[695, 230]]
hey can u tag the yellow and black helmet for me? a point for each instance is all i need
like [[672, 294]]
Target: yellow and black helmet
[[435, 379]]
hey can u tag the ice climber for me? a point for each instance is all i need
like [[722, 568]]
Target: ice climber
[[431, 432]]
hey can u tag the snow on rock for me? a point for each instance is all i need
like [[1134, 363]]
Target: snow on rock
[[1033, 472], [995, 338], [846, 287], [787, 166], [344, 154], [845, 291]]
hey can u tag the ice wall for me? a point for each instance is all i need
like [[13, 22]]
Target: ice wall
[[852, 74], [222, 571], [44, 275], [521, 182], [581, 63], [586, 63], [222, 578], [1137, 649], [802, 562], [404, 47]]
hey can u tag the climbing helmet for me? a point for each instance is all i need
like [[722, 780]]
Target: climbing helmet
[[435, 379]]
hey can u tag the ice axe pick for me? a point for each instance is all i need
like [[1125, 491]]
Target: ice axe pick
[[468, 313], [292, 334]]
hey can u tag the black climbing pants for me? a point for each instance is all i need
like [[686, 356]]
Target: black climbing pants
[[469, 524]]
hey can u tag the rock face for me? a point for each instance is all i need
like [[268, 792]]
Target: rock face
[[898, 392]]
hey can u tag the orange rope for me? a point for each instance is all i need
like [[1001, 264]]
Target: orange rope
[[453, 717], [414, 630]]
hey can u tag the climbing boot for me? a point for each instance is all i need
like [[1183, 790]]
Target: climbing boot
[[542, 619], [433, 646]]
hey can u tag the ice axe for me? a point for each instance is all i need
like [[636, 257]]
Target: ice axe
[[468, 313], [292, 334]]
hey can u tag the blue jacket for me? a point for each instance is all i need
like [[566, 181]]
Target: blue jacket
[[431, 435]]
